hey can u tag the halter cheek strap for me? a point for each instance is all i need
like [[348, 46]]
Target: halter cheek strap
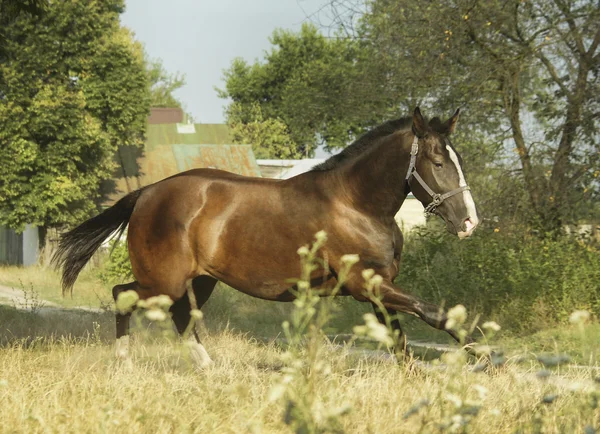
[[437, 198]]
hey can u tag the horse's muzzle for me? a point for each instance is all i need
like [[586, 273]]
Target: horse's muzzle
[[468, 227]]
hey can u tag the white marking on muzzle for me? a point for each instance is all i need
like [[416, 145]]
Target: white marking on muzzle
[[469, 203]]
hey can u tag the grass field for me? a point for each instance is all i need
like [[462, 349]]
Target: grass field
[[58, 373]]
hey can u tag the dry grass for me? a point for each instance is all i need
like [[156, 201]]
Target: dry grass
[[58, 374], [71, 383]]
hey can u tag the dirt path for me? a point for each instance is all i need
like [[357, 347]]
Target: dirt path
[[23, 301]]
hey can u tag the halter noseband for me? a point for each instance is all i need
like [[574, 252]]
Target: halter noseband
[[437, 199]]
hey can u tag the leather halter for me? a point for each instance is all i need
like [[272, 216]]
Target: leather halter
[[437, 198]]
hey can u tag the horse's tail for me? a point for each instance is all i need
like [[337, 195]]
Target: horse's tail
[[77, 246]]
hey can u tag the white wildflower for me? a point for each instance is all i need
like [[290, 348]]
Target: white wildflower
[[483, 350], [156, 315], [303, 285], [458, 313], [457, 423], [302, 251], [321, 236], [368, 273], [350, 259], [360, 330], [160, 301], [491, 325], [126, 301], [481, 391], [456, 317], [376, 280], [374, 330], [575, 387], [579, 317], [454, 358], [276, 392], [196, 314], [454, 399]]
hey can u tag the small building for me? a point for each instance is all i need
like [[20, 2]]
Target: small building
[[19, 249], [411, 214], [284, 169], [174, 147]]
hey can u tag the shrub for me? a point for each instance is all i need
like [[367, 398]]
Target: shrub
[[525, 283], [117, 268]]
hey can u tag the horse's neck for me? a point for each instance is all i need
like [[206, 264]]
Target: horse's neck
[[376, 179]]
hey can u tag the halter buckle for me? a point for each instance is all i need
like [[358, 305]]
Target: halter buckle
[[432, 206]]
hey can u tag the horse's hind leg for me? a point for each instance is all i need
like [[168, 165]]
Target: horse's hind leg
[[203, 287], [122, 320]]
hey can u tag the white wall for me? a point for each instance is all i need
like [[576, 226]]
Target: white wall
[[411, 214], [30, 245]]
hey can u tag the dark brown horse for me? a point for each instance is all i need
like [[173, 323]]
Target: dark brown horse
[[207, 225]]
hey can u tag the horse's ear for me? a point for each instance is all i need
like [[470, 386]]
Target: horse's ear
[[419, 126], [451, 123]]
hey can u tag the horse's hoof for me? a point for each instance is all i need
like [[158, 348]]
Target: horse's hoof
[[122, 348], [200, 357]]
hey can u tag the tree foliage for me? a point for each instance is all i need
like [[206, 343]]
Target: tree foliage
[[10, 10], [269, 138], [307, 81], [527, 71], [163, 84], [72, 89]]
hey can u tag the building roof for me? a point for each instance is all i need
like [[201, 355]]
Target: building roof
[[187, 134], [290, 168], [174, 148], [165, 115]]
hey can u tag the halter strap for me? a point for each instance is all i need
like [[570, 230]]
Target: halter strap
[[413, 158], [437, 198]]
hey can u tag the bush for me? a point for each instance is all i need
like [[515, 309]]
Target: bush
[[525, 283], [117, 268]]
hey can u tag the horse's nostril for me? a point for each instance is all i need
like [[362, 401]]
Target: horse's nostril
[[468, 225]]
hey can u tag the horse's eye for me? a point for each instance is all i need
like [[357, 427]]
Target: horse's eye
[[439, 165]]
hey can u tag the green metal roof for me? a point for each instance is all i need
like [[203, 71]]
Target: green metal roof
[[205, 134], [169, 150]]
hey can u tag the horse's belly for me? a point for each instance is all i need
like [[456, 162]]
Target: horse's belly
[[263, 290], [283, 291]]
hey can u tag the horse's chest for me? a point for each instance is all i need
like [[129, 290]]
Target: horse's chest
[[376, 245]]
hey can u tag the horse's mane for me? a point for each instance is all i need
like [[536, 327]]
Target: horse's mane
[[364, 142]]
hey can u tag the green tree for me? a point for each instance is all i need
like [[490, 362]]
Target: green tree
[[73, 88], [307, 81], [527, 71], [269, 137], [10, 10], [163, 84]]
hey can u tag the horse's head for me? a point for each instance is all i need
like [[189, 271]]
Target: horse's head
[[437, 179]]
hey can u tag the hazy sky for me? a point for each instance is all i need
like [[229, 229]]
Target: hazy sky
[[200, 38]]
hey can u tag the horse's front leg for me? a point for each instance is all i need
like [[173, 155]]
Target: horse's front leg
[[394, 298]]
